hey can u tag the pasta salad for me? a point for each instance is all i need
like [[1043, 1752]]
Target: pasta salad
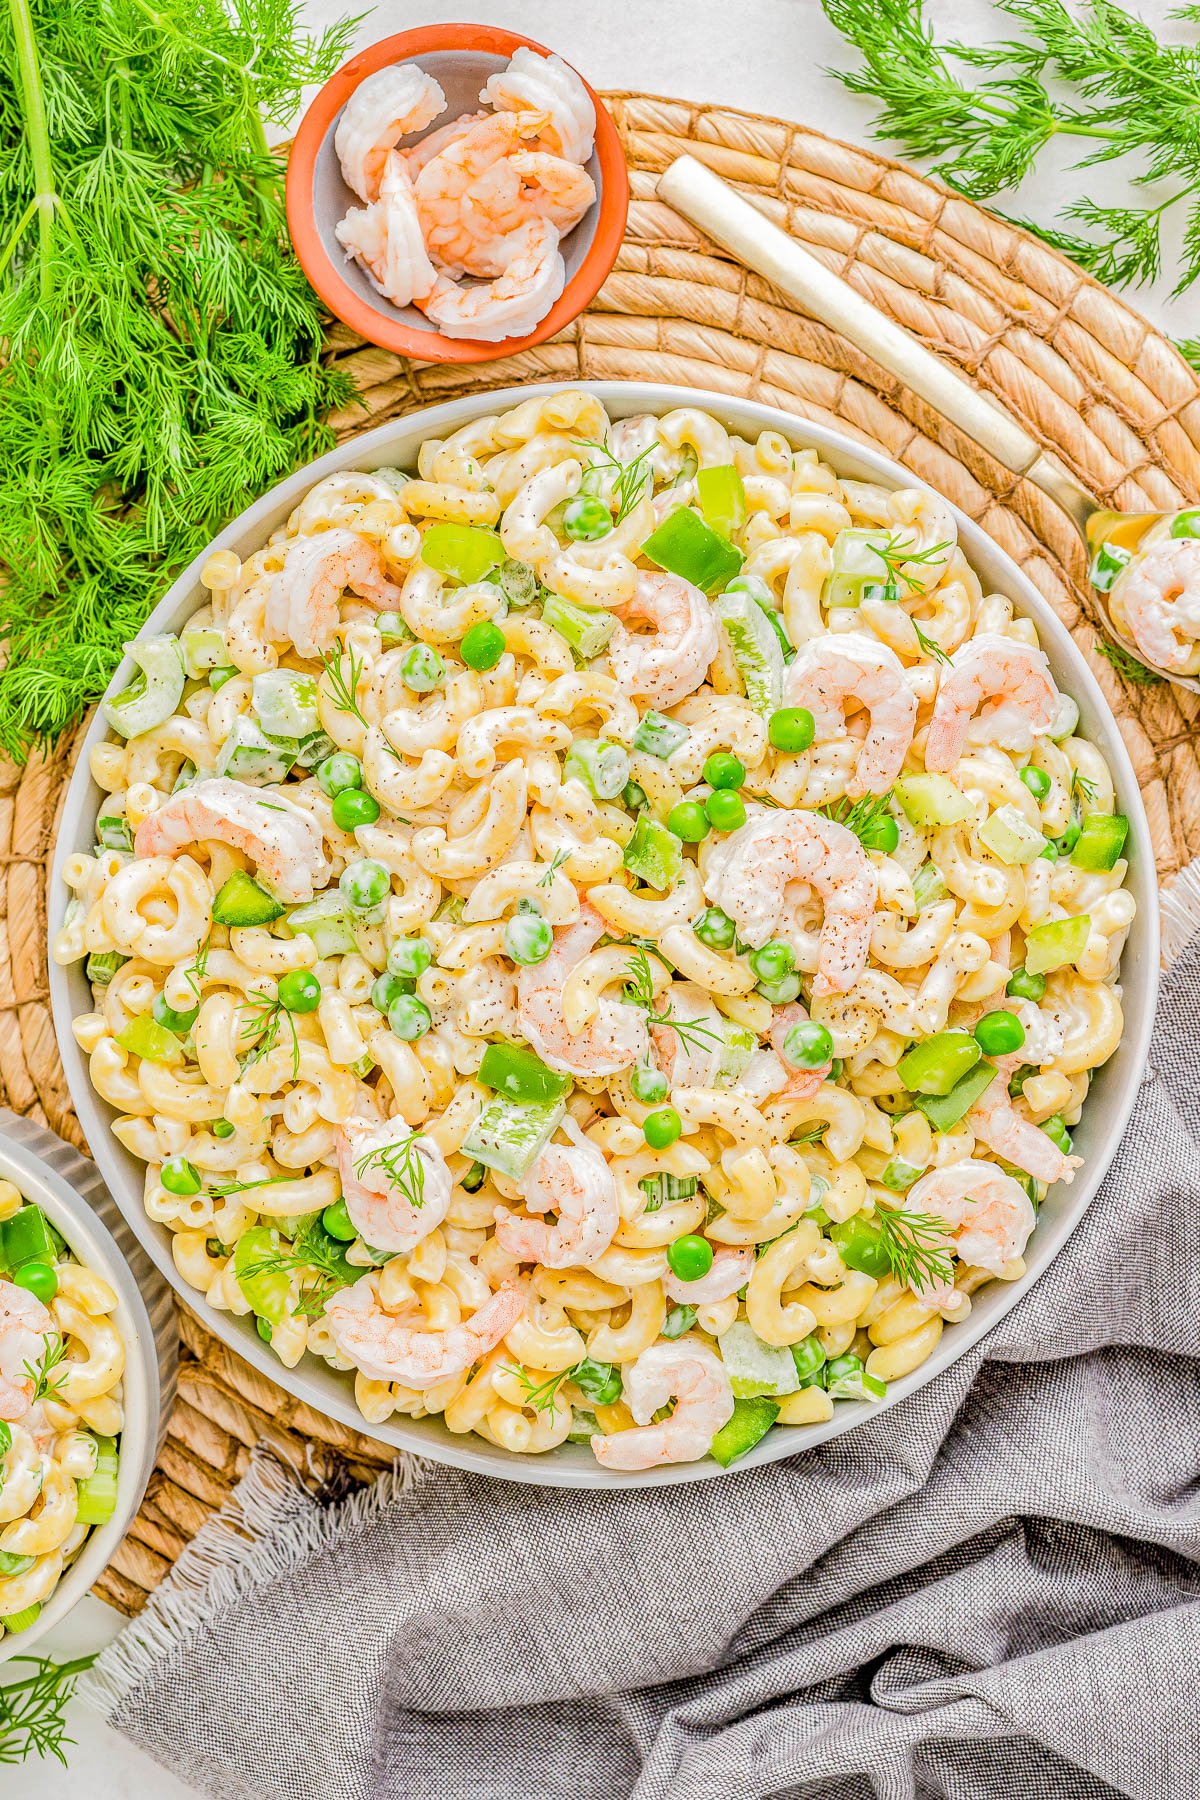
[[605, 936]]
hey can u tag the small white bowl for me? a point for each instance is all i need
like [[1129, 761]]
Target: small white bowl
[[71, 1193]]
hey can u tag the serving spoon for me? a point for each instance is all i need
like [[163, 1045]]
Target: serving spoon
[[731, 221]]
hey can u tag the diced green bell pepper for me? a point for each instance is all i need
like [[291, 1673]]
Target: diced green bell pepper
[[855, 564], [945, 1110], [97, 1493], [1009, 836], [586, 628], [755, 648], [860, 1245], [155, 693], [932, 801], [327, 921], [510, 1136], [520, 1075], [750, 1421], [686, 546], [722, 496], [27, 1236], [1186, 524], [266, 1288], [146, 1038], [113, 833], [937, 1064], [1056, 944], [1101, 840], [659, 736], [464, 552], [754, 1367], [899, 1175], [654, 854], [241, 901]]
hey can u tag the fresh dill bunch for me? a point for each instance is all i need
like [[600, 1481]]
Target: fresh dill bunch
[[162, 347], [1127, 665], [1095, 73], [33, 1707]]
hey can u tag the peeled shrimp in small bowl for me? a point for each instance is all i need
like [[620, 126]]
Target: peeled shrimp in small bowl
[[457, 193]]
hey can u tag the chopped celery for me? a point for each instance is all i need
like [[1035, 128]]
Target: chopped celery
[[520, 1075], [860, 1244], [146, 1038], [846, 1378], [464, 552], [754, 1367], [945, 1110], [113, 833], [684, 545], [1101, 840], [583, 1426], [327, 922], [314, 749], [241, 901], [738, 1044], [11, 1564], [102, 965], [856, 563], [722, 496], [654, 854], [755, 649], [27, 1236], [602, 767], [22, 1620], [203, 648], [1056, 944], [662, 1189], [97, 1493], [509, 1136], [751, 1420], [257, 1271], [932, 801], [248, 754], [585, 628], [393, 630], [155, 692], [517, 581], [659, 736], [937, 1064], [928, 886], [1107, 564], [187, 774], [286, 703], [1008, 834]]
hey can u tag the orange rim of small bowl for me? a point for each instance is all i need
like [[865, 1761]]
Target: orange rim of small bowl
[[314, 258]]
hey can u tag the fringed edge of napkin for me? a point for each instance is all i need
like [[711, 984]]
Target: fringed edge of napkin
[[270, 1522], [1179, 913]]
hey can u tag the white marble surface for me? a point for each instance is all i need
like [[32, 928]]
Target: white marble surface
[[764, 55]]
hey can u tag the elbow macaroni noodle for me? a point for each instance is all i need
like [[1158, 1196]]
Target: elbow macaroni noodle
[[443, 849]]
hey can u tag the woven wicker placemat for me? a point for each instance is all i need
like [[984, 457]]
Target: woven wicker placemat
[[1087, 375]]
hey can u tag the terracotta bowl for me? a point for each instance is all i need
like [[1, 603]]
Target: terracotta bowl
[[460, 58]]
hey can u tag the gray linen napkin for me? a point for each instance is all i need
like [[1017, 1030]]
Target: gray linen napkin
[[991, 1591]]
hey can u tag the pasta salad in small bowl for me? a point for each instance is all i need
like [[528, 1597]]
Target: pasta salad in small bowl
[[595, 924], [87, 1370]]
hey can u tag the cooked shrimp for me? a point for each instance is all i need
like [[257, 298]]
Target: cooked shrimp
[[382, 109], [303, 602], [802, 1083], [555, 189], [25, 1324], [987, 1213], [1158, 595], [747, 877], [279, 837], [469, 198], [548, 83], [996, 1123], [387, 1349], [731, 1270], [533, 278], [613, 1040], [396, 1185], [829, 671], [694, 1376], [385, 239], [1013, 676], [670, 663], [417, 155], [578, 1185]]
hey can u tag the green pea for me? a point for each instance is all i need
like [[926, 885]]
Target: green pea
[[773, 961], [1057, 1132], [482, 646], [724, 810], [881, 833], [1024, 986], [386, 989], [179, 1022], [586, 518], [660, 1129], [263, 1328], [409, 1017], [338, 1223], [690, 1257], [999, 1032], [221, 1128], [808, 1045], [364, 884], [1049, 853], [339, 772], [528, 939], [781, 992], [716, 929], [688, 821], [179, 1176], [218, 677], [721, 770], [38, 1279], [1036, 780], [421, 668], [791, 728], [354, 807], [299, 991], [410, 957], [648, 1085]]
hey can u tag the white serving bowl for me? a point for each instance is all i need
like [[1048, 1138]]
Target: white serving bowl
[[1096, 1138], [71, 1193]]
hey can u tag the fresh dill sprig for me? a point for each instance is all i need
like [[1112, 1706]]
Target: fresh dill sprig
[[929, 646], [639, 991], [1095, 73], [813, 1135], [220, 1190], [915, 1246], [1082, 788], [1127, 665], [552, 868], [162, 348], [33, 1708], [631, 477], [345, 692], [262, 1019], [46, 1376], [198, 969], [859, 816], [898, 551], [310, 1252], [540, 1396], [403, 1165]]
